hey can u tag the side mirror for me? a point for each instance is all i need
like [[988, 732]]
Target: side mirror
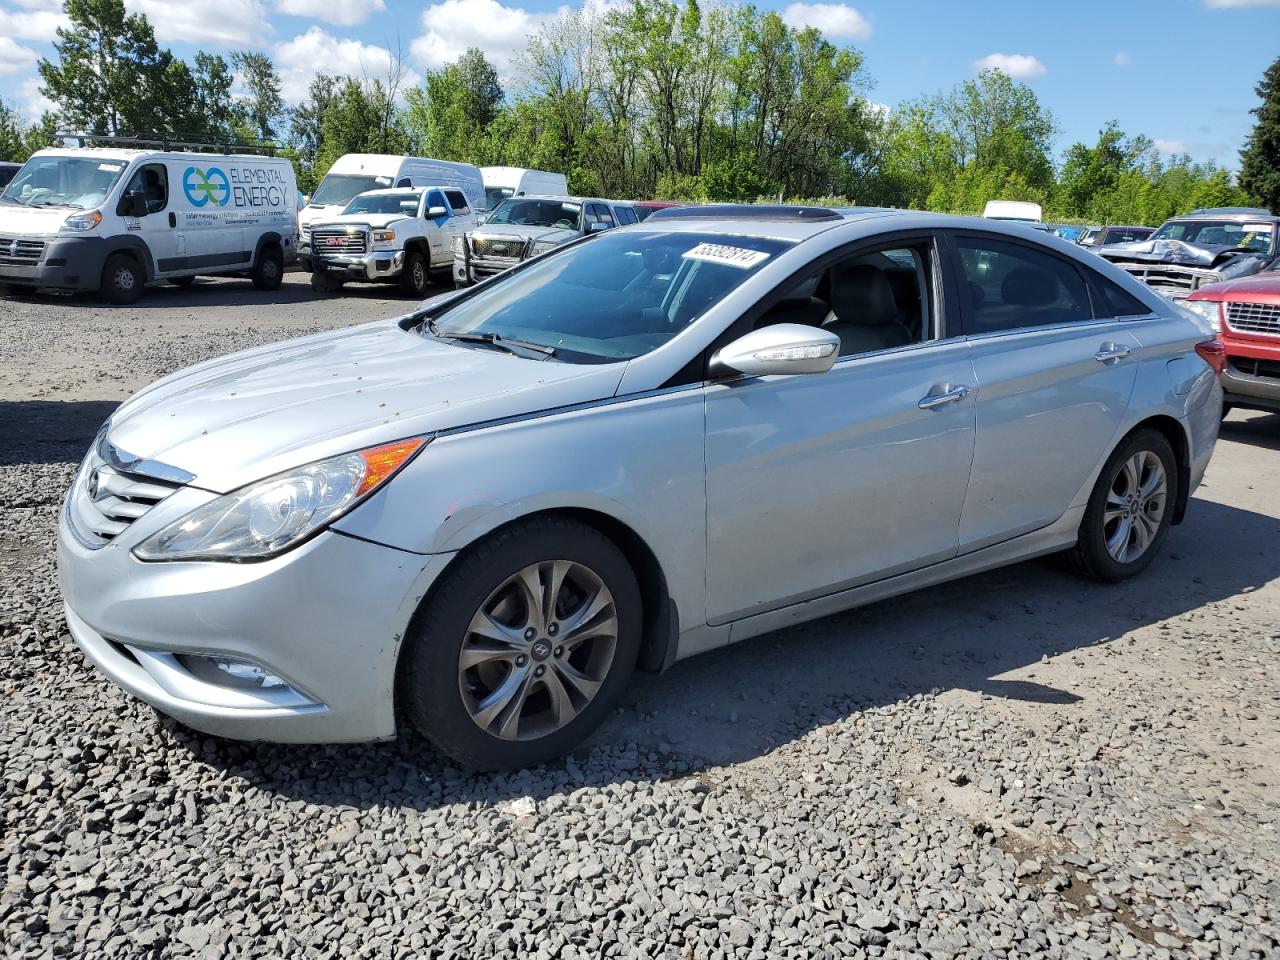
[[133, 205], [780, 349], [433, 212], [597, 227]]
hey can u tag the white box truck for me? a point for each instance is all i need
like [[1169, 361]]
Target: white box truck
[[114, 219], [355, 173], [503, 182]]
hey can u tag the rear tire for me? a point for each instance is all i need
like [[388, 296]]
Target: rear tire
[[536, 681], [268, 272], [414, 276], [122, 279], [1129, 511]]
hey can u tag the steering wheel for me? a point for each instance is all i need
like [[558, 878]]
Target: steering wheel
[[563, 224]]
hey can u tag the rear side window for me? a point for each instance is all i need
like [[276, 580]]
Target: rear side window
[[1008, 286], [625, 215], [1112, 300], [458, 201]]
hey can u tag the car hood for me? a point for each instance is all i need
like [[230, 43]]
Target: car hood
[[1167, 251], [378, 221], [19, 221], [494, 230], [249, 415], [1261, 287]]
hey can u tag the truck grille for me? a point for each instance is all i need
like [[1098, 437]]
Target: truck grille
[[1255, 367], [1254, 318], [504, 248], [20, 251], [339, 242], [1170, 280], [107, 496]]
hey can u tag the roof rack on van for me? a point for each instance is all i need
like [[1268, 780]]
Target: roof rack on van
[[746, 211], [1230, 212], [171, 141]]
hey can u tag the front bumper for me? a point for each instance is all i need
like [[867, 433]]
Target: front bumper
[[327, 617], [469, 269], [1252, 375], [377, 265], [64, 263]]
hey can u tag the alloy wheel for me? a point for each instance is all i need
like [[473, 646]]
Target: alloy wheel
[[538, 650], [1135, 506]]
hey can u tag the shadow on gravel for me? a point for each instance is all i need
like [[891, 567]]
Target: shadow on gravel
[[49, 431], [739, 703]]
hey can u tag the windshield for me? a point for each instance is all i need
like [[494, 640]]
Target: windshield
[[341, 187], [60, 181], [614, 297], [539, 213], [495, 195], [1260, 237], [406, 203]]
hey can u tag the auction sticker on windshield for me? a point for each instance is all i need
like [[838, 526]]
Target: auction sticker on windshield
[[731, 256]]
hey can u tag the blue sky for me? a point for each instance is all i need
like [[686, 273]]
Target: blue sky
[[1180, 71]]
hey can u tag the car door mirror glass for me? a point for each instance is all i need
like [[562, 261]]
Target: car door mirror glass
[[779, 349]]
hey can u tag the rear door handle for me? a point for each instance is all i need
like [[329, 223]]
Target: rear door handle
[[1111, 351], [949, 394]]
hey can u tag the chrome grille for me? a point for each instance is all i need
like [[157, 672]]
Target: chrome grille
[[1171, 280], [108, 495], [1254, 318], [13, 251], [506, 248], [330, 241]]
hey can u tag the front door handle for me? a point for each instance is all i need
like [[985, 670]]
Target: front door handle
[[1111, 351], [948, 394], [173, 219]]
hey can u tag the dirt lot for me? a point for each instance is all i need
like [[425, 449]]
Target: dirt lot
[[1017, 764]]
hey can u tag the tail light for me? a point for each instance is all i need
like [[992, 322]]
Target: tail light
[[1214, 353]]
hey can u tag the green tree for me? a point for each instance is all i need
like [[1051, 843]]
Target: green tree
[[450, 114], [1260, 160], [263, 106]]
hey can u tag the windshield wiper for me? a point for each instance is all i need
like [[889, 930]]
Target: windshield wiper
[[502, 343], [5, 196]]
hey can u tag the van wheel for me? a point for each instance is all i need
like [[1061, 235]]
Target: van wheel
[[525, 646], [413, 278], [122, 279], [1129, 511], [268, 272], [182, 281], [323, 283]]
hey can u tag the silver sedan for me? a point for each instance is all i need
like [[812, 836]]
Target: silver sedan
[[641, 446]]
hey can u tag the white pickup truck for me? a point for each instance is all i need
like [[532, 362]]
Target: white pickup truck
[[399, 235]]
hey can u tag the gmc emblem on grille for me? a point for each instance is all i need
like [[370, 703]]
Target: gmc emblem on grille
[[334, 241]]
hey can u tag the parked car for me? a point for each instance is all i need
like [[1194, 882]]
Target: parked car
[[1104, 236], [1245, 314], [646, 208], [1022, 210], [503, 182], [524, 227], [389, 236], [7, 172], [1206, 246], [355, 173], [111, 219], [650, 443]]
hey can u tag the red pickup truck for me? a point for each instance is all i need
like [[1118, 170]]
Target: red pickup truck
[[1246, 314]]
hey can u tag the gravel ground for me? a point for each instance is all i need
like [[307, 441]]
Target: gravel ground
[[1018, 764]]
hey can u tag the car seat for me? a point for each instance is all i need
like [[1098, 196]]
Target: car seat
[[865, 313]]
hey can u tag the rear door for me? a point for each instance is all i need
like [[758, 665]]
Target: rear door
[[1054, 377]]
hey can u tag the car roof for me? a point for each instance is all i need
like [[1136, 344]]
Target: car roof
[[1228, 213]]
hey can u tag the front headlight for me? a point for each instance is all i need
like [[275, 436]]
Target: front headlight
[[83, 221], [542, 246], [1207, 310], [383, 236], [268, 517]]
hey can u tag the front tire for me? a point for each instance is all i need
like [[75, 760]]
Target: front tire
[[415, 275], [1130, 509], [525, 646], [122, 279], [268, 272]]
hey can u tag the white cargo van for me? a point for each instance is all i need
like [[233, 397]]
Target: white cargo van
[[503, 182], [112, 220], [1023, 210], [355, 173]]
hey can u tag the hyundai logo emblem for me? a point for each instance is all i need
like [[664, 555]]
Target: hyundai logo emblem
[[93, 485]]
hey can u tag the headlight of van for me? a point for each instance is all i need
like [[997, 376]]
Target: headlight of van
[[1208, 310], [80, 222], [542, 246], [266, 518]]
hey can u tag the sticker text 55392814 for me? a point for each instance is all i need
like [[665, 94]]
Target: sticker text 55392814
[[730, 256]]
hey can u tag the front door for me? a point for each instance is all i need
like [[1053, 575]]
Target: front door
[[821, 482], [147, 213], [439, 236]]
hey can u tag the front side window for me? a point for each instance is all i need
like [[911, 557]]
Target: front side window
[[539, 213], [60, 181], [339, 188], [405, 203], [599, 213], [613, 297], [434, 199], [150, 182], [1007, 286]]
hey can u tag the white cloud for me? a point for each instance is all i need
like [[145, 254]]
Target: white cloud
[[1122, 58], [15, 58], [1170, 146], [226, 23], [836, 20], [1229, 4], [33, 102], [38, 24], [315, 51], [1019, 66], [341, 13], [454, 25]]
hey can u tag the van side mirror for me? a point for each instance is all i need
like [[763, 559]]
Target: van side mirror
[[779, 349], [132, 205], [433, 212]]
